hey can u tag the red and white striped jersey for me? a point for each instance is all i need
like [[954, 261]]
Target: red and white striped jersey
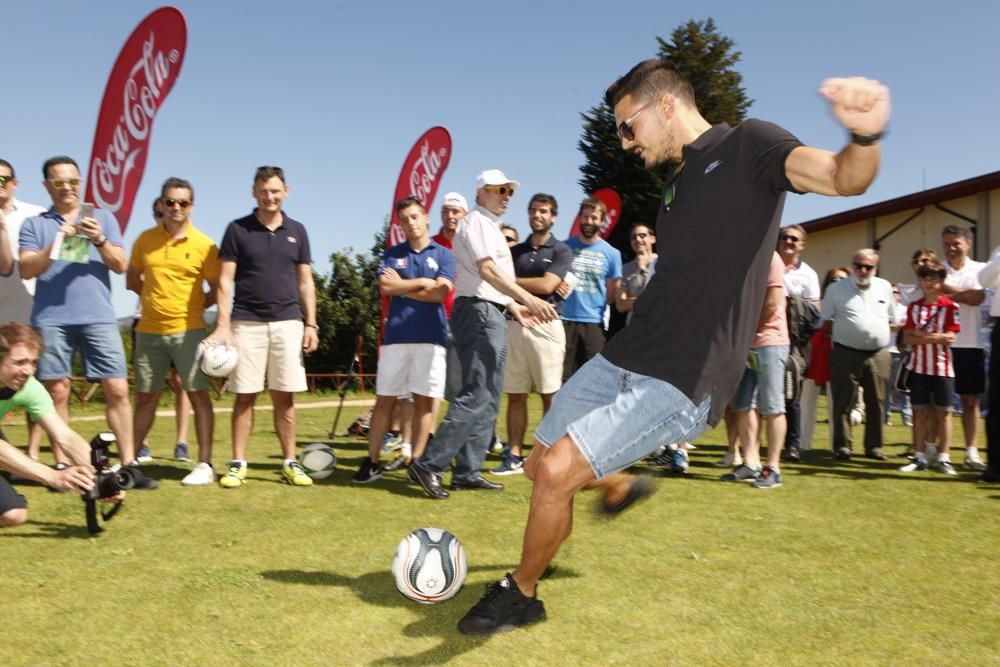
[[938, 317]]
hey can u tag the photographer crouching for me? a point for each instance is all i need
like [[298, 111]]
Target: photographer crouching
[[20, 348]]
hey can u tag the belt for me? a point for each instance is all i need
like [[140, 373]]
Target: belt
[[854, 349], [501, 309]]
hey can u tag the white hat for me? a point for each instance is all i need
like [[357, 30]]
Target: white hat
[[494, 177], [456, 200]]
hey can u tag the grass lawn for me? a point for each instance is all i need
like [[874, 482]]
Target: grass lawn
[[847, 563]]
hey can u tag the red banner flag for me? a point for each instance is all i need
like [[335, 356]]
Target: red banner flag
[[420, 176], [614, 204], [140, 80]]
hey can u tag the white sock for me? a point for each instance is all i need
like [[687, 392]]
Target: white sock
[[921, 457], [240, 461], [287, 461], [943, 456], [972, 453]]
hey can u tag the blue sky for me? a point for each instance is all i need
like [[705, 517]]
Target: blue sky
[[337, 93]]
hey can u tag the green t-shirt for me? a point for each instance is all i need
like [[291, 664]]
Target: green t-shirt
[[32, 397]]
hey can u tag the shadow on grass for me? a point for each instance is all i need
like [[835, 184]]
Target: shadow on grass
[[378, 588], [51, 529]]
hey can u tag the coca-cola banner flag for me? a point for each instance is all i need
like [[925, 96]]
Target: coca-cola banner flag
[[420, 176], [614, 204], [140, 80]]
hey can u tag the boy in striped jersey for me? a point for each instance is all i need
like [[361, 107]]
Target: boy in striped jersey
[[931, 325]]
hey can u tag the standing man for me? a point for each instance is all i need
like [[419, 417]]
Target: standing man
[[597, 266], [16, 295], [861, 312], [636, 273], [453, 210], [264, 258], [535, 354], [485, 290], [962, 286], [668, 374], [801, 284], [169, 267], [72, 308], [417, 276]]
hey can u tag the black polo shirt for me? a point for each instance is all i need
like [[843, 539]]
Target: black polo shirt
[[267, 266], [553, 256], [693, 324]]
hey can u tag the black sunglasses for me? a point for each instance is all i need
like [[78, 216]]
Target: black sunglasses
[[169, 203], [866, 267]]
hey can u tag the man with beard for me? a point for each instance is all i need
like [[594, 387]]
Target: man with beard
[[534, 355], [597, 266]]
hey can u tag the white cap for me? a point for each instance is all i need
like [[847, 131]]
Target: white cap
[[456, 200], [494, 177]]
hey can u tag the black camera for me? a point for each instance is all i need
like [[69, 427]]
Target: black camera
[[107, 482]]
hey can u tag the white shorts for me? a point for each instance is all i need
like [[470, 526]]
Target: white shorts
[[268, 349], [534, 357], [411, 368]]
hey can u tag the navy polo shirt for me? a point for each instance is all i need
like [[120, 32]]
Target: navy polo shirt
[[412, 321], [267, 266], [553, 256]]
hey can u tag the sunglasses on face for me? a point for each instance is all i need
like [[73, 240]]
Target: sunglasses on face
[[922, 260], [511, 239], [640, 235], [502, 190], [170, 203], [625, 127], [60, 182], [864, 267], [789, 237], [4, 180]]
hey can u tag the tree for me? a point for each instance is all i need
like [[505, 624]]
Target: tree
[[707, 59]]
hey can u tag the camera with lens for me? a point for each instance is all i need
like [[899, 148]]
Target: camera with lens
[[107, 482]]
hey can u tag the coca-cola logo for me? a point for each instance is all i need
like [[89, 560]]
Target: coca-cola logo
[[425, 171], [140, 80], [420, 175]]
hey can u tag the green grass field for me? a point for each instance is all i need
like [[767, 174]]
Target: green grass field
[[847, 563]]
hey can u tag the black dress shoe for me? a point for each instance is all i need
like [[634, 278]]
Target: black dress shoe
[[480, 484], [430, 482], [842, 453], [876, 454], [792, 455]]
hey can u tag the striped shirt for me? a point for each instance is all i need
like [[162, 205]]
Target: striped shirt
[[938, 317]]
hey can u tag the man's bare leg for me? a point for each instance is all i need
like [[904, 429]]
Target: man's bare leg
[[284, 421], [204, 422], [517, 421], [242, 425], [59, 390]]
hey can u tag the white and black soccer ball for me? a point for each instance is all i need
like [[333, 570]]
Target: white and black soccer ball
[[429, 565], [218, 361], [318, 460]]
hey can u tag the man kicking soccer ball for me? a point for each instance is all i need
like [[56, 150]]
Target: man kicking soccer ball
[[668, 375]]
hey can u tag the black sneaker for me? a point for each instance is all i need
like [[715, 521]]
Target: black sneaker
[[142, 481], [504, 607], [368, 472]]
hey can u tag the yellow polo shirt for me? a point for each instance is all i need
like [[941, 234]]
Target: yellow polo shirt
[[174, 271]]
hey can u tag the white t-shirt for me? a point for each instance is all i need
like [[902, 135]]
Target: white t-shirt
[[16, 295], [802, 281], [478, 236], [968, 316]]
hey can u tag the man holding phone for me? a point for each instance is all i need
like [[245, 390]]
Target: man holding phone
[[72, 309]]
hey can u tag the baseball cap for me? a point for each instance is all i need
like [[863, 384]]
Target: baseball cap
[[456, 200], [494, 177]]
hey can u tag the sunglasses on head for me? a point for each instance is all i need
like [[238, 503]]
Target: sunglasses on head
[[501, 190], [170, 203], [789, 237], [864, 267], [4, 180], [60, 182]]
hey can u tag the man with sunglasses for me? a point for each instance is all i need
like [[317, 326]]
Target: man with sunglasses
[[72, 308], [668, 375], [861, 313], [486, 290], [169, 267]]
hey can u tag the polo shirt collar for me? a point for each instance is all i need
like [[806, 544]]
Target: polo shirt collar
[[548, 244], [705, 140], [489, 214], [284, 219], [185, 232]]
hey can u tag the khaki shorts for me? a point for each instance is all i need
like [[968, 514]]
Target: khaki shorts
[[268, 349], [534, 357], [154, 352]]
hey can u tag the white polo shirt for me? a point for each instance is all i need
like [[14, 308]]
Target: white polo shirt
[[16, 295], [478, 236], [967, 277], [861, 317], [802, 281]]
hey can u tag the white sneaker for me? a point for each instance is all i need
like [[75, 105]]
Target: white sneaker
[[974, 464], [200, 476], [943, 467]]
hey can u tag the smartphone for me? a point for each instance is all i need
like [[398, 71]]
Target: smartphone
[[86, 211]]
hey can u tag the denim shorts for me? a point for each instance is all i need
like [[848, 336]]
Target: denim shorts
[[100, 347], [616, 417], [768, 382]]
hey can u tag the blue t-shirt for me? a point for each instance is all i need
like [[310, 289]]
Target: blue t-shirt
[[70, 293], [593, 265], [412, 321]]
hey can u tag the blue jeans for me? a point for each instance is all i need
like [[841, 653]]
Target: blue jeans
[[480, 333]]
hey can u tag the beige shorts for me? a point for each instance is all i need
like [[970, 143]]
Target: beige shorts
[[534, 357], [268, 349]]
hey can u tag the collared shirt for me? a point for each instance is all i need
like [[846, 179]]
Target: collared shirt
[[71, 293], [861, 317], [412, 321], [479, 237], [964, 278], [16, 295], [174, 272], [531, 261], [802, 281], [267, 267]]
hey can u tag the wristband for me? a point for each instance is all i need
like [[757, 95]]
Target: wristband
[[313, 326], [102, 242], [866, 139]]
